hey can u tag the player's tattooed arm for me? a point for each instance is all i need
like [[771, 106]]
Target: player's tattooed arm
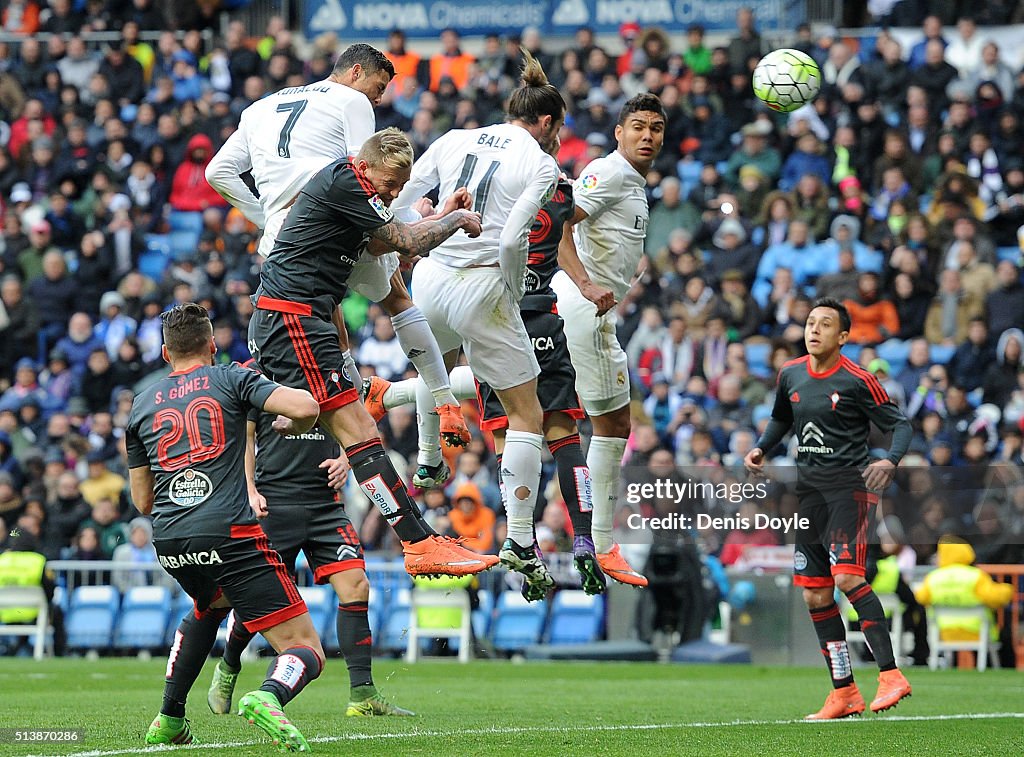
[[420, 238]]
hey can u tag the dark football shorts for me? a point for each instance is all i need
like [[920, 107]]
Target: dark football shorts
[[556, 384], [297, 349], [324, 532], [242, 567], [837, 539]]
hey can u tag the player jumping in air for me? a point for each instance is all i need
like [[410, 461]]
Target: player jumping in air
[[293, 334], [285, 138], [610, 227], [830, 402], [556, 384], [186, 449], [290, 490]]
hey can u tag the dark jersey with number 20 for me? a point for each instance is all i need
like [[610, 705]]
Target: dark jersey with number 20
[[325, 232], [189, 428], [545, 234]]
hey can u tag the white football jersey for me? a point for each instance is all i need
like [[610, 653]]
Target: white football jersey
[[287, 137], [500, 165], [610, 240]]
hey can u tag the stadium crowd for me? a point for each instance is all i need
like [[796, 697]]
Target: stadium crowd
[[900, 190]]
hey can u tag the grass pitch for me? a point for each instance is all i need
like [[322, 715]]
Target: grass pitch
[[501, 709]]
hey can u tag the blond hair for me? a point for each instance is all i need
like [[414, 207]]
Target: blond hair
[[389, 148]]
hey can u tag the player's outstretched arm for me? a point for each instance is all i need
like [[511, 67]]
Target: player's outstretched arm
[[421, 238], [514, 242], [569, 261], [141, 480], [296, 409], [224, 173]]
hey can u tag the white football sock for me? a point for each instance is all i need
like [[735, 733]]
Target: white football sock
[[520, 475], [428, 424], [461, 380], [604, 458], [463, 383], [420, 346]]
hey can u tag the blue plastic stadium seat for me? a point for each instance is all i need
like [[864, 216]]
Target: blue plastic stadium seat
[[320, 600], [758, 355], [394, 629], [183, 243], [895, 352], [144, 616], [153, 264], [1008, 253], [182, 220], [91, 617], [852, 351], [576, 618], [941, 353], [517, 623], [689, 175]]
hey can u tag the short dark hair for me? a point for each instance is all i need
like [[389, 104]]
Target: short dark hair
[[367, 56], [187, 329], [833, 304], [645, 101], [536, 96]]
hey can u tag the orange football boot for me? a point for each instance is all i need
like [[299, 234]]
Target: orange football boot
[[892, 687], [374, 388], [841, 703], [615, 566], [453, 426], [441, 556]]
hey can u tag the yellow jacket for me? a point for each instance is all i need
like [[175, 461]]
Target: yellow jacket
[[957, 583]]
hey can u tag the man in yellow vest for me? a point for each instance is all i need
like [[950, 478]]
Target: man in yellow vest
[[957, 583], [444, 617], [23, 565]]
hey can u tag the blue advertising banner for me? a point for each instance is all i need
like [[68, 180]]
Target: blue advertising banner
[[372, 19]]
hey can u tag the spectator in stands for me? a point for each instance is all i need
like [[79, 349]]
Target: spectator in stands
[[911, 303], [732, 251], [30, 260], [1001, 375], [810, 201], [450, 61], [737, 307], [139, 550], [972, 358], [886, 78], [53, 293], [747, 43], [66, 511], [1004, 306], [964, 50], [57, 380], [668, 214], [845, 233], [950, 311], [383, 352], [191, 192], [79, 342], [896, 153], [874, 319], [101, 483], [754, 151], [471, 520], [114, 326], [978, 278], [19, 324], [112, 531], [96, 384]]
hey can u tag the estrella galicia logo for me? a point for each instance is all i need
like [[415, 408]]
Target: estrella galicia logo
[[812, 439], [189, 488], [799, 560]]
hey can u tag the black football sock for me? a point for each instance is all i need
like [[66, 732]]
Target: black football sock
[[873, 624], [192, 644], [379, 480], [356, 642], [832, 639], [238, 640], [574, 481], [290, 671]]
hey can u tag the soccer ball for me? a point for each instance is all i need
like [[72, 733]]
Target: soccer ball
[[785, 80]]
